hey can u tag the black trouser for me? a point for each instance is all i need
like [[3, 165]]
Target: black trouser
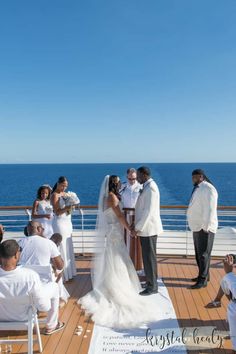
[[148, 245], [203, 243]]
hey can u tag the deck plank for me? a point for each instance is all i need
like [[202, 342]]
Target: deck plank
[[61, 340], [176, 273]]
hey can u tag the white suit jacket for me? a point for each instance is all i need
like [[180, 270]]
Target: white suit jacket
[[202, 209], [147, 211]]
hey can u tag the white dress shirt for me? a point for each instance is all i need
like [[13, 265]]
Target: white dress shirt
[[21, 282], [202, 209], [130, 194]]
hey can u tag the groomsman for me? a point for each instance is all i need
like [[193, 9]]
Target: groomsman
[[203, 222], [148, 225]]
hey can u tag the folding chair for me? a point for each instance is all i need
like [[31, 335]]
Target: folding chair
[[46, 275], [27, 325]]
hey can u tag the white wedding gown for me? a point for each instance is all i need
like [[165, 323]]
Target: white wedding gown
[[116, 301], [62, 224], [44, 207]]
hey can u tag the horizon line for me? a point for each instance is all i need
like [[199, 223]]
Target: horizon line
[[102, 163]]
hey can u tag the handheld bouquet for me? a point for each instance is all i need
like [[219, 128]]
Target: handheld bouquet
[[71, 199]]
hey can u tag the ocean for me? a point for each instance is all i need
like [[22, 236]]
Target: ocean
[[19, 182]]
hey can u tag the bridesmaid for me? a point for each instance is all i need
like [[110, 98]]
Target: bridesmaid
[[62, 224], [42, 210]]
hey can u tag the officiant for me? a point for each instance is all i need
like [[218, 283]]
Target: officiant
[[129, 192]]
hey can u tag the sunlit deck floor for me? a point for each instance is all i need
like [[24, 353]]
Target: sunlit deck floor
[[176, 273]]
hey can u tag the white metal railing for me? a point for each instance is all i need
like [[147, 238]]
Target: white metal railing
[[176, 239]]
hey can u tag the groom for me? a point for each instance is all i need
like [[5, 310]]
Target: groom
[[148, 225]]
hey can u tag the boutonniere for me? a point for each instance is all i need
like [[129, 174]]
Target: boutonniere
[[141, 191]]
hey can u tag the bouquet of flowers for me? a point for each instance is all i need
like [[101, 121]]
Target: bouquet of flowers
[[71, 199], [49, 209]]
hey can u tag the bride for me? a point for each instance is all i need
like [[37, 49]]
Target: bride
[[115, 300]]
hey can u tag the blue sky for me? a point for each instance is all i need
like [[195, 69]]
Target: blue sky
[[117, 81]]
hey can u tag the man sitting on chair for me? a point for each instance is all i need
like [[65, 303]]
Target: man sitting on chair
[[18, 281], [39, 250]]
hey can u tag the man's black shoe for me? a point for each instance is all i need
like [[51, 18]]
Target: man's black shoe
[[194, 279], [146, 285], [197, 279], [199, 285], [147, 292]]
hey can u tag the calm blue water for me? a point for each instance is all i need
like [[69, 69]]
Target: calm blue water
[[19, 183]]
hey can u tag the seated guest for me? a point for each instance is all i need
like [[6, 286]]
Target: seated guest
[[1, 235], [38, 250], [57, 239], [18, 281], [1, 232], [229, 260], [228, 288], [64, 295], [26, 231]]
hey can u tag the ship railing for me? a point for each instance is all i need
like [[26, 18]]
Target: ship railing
[[175, 240]]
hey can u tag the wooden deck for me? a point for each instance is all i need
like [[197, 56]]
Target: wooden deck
[[176, 273]]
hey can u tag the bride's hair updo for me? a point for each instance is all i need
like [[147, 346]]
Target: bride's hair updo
[[114, 185], [60, 180]]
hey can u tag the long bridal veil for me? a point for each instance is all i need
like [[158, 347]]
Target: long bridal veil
[[114, 300], [97, 272]]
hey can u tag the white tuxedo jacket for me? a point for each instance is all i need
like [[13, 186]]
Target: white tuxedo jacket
[[147, 211], [202, 209]]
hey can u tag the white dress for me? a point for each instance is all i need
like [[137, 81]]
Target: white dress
[[116, 301], [44, 207], [62, 224]]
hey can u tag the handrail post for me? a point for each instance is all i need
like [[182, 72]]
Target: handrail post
[[186, 229], [82, 228]]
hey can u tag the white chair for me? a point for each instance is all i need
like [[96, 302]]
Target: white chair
[[27, 325], [46, 275]]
